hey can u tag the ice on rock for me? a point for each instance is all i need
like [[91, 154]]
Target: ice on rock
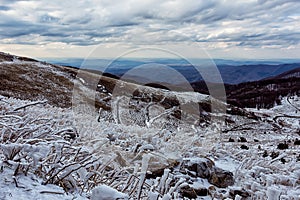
[[105, 192]]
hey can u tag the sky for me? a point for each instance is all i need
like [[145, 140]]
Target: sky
[[242, 29]]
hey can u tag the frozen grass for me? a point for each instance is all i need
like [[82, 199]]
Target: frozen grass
[[40, 142]]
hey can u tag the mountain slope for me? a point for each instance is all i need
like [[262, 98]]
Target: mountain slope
[[61, 86], [264, 93], [136, 141], [289, 74], [29, 79]]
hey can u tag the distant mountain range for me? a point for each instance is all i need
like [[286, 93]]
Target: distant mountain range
[[245, 73], [232, 72]]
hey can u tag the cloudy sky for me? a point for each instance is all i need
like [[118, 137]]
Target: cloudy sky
[[224, 28]]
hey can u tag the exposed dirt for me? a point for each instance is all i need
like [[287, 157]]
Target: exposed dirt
[[27, 80]]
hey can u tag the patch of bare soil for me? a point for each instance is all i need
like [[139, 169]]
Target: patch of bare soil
[[30, 80]]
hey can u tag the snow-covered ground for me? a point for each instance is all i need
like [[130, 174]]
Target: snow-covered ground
[[46, 153]]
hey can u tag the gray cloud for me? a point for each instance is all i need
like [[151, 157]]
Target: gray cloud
[[48, 19], [4, 7], [241, 23]]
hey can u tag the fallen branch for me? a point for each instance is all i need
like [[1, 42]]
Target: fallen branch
[[30, 104], [239, 127], [51, 192]]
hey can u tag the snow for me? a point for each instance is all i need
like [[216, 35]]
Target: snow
[[227, 163], [82, 80], [273, 192], [104, 192], [186, 97], [30, 187], [262, 177]]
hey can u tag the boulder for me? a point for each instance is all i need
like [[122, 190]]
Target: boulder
[[192, 193], [158, 163], [201, 166], [221, 178], [205, 168]]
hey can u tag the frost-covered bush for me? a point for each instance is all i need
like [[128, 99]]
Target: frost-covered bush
[[41, 140]]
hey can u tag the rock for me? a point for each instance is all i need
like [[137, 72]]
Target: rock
[[259, 147], [201, 191], [158, 164], [244, 147], [192, 193], [205, 168], [155, 173], [274, 154], [240, 192], [282, 146], [283, 160], [211, 190], [242, 139], [201, 166], [221, 178], [265, 153], [231, 140], [188, 192]]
